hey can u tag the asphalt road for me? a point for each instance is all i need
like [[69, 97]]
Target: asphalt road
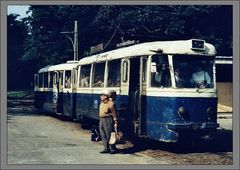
[[35, 138], [40, 139]]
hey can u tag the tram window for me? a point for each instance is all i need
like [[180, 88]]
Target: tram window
[[161, 77], [85, 76], [45, 79], [194, 72], [113, 73], [61, 78], [67, 83], [51, 79], [125, 71], [40, 78], [98, 76]]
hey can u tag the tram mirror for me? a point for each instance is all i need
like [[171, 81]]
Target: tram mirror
[[153, 67]]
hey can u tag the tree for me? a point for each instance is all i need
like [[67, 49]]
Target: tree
[[17, 33], [110, 24]]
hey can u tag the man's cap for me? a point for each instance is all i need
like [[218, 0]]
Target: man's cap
[[106, 92], [109, 93]]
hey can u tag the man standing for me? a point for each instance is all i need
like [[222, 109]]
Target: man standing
[[108, 119]]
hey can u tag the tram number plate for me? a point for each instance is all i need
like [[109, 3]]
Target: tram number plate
[[195, 127]]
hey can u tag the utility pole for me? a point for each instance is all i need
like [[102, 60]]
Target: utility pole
[[75, 42]]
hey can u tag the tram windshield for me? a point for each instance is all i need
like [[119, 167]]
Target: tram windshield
[[193, 71]]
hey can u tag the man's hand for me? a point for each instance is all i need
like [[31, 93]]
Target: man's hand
[[115, 125]]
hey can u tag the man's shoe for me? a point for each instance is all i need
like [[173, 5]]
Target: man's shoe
[[105, 151], [113, 151]]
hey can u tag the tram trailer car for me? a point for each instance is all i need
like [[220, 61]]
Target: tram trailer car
[[54, 89], [150, 101]]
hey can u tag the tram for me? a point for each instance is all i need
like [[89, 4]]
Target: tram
[[165, 89], [54, 89]]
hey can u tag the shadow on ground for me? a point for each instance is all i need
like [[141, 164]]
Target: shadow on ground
[[222, 142]]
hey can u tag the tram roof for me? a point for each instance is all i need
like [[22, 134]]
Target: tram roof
[[150, 48], [64, 66]]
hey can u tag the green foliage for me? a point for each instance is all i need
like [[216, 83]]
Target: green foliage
[[17, 33], [19, 94], [45, 44]]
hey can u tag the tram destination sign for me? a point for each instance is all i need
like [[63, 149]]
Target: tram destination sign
[[198, 44], [97, 48]]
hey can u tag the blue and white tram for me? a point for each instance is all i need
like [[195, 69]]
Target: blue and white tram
[[54, 89], [150, 101], [162, 111]]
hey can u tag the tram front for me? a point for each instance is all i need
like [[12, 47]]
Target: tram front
[[182, 96]]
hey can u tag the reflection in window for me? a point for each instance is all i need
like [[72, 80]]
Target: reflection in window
[[85, 76], [161, 78], [193, 72], [67, 79], [98, 79], [113, 73]]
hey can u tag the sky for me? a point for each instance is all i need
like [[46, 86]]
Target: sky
[[18, 9]]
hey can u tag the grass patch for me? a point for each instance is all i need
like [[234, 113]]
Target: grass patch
[[20, 94]]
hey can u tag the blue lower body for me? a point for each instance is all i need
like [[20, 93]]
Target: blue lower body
[[164, 123], [160, 117], [44, 101], [63, 103]]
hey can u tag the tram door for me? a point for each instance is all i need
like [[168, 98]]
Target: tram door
[[68, 96], [55, 91], [58, 92], [137, 94]]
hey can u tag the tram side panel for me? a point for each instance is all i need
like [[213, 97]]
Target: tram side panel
[[43, 101], [87, 105], [84, 104]]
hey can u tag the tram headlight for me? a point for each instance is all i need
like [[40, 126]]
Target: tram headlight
[[182, 112], [210, 113]]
